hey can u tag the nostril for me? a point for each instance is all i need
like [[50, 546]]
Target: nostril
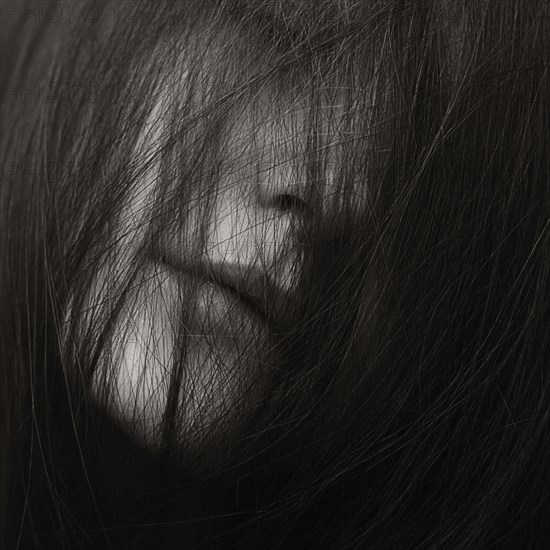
[[286, 202]]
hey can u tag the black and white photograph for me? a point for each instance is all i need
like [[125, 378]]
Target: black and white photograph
[[275, 275]]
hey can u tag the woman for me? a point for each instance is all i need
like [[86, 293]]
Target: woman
[[277, 275]]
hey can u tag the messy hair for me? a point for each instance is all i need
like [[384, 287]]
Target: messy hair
[[410, 403]]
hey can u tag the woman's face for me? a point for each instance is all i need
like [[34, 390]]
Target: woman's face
[[211, 291], [202, 299]]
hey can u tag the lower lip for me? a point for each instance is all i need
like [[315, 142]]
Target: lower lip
[[209, 309], [214, 309]]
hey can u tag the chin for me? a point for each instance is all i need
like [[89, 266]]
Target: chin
[[186, 363]]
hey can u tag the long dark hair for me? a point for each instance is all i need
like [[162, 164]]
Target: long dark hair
[[410, 403]]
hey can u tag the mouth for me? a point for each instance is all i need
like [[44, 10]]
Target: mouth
[[247, 284]]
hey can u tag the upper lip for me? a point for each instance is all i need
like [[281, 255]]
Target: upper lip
[[250, 284]]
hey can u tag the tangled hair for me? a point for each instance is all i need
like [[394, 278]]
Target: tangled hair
[[405, 400]]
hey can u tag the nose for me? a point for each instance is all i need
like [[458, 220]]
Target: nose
[[255, 226]]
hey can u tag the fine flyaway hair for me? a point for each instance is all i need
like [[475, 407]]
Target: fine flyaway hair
[[404, 400]]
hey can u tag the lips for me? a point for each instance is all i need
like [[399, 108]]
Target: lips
[[250, 285]]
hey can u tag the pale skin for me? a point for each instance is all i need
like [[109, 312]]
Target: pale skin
[[251, 228], [228, 347]]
